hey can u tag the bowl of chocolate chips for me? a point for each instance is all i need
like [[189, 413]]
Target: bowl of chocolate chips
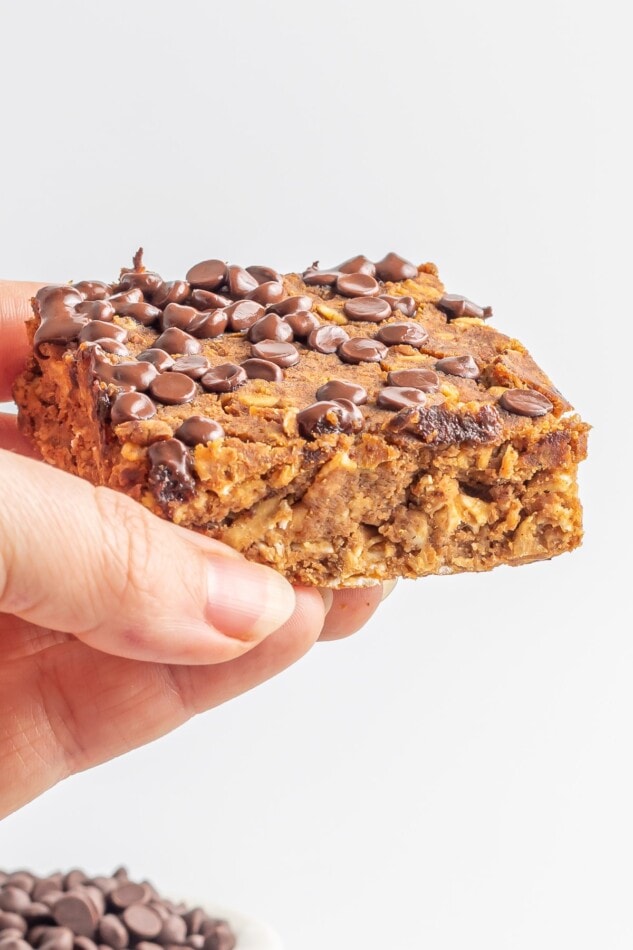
[[74, 911]]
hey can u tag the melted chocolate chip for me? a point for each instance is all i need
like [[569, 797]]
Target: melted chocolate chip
[[393, 267], [170, 480], [270, 292], [464, 366], [206, 300], [93, 289], [209, 325], [369, 309], [358, 265], [136, 374], [193, 366], [327, 339], [425, 379], [198, 430], [159, 358], [263, 369], [127, 297], [283, 354], [320, 278], [362, 350], [454, 306], [329, 416], [397, 334], [400, 397], [437, 425], [145, 313], [264, 275], [357, 285], [208, 275], [337, 389], [243, 314], [59, 322], [173, 389], [171, 291], [147, 281], [174, 340], [405, 305], [96, 309], [181, 316], [240, 281], [292, 305], [132, 407], [270, 327], [98, 330], [111, 346], [225, 378], [302, 323], [525, 402]]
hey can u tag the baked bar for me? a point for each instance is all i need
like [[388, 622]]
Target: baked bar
[[343, 425]]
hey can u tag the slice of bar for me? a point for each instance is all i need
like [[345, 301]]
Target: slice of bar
[[344, 426]]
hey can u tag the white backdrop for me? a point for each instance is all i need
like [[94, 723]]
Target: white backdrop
[[459, 774]]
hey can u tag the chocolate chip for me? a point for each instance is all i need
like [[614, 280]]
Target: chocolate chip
[[60, 324], [302, 323], [425, 379], [126, 299], [264, 275], [170, 480], [525, 402], [327, 339], [147, 281], [329, 416], [262, 369], [37, 913], [243, 314], [270, 292], [172, 291], [142, 921], [393, 267], [405, 305], [173, 389], [341, 389], [12, 921], [145, 313], [193, 366], [362, 350], [240, 281], [224, 378], [209, 325], [270, 327], [84, 943], [283, 354], [174, 340], [181, 316], [76, 911], [52, 938], [292, 305], [98, 330], [208, 275], [220, 939], [132, 407], [320, 278], [129, 893], [194, 919], [454, 306], [13, 943], [136, 374], [206, 300], [369, 309], [358, 265], [397, 334], [173, 931], [400, 397], [357, 285], [112, 932], [96, 309], [106, 884], [464, 366], [93, 289], [14, 899], [198, 430], [160, 359]]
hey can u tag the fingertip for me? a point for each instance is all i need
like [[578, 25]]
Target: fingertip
[[351, 609]]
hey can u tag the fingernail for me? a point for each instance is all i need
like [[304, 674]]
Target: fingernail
[[328, 598], [387, 588], [247, 601]]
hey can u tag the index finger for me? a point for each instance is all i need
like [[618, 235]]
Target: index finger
[[15, 309]]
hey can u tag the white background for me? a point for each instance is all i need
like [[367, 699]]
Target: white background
[[459, 774]]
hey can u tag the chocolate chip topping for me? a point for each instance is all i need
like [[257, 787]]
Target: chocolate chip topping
[[393, 267], [145, 313], [370, 309], [174, 340], [337, 389], [240, 281], [262, 369], [362, 350], [405, 305], [208, 275], [243, 314], [425, 379], [181, 316], [283, 354], [198, 430], [137, 374], [147, 281], [224, 378], [127, 297], [292, 305], [173, 389], [59, 321], [112, 346], [464, 366], [95, 309], [270, 292], [209, 325], [400, 397], [171, 481], [93, 289], [357, 285], [193, 366], [159, 358], [320, 278], [99, 330], [329, 416], [454, 305], [397, 334], [76, 911], [171, 291], [358, 265], [264, 275], [302, 323], [437, 425], [142, 921], [131, 407], [206, 300], [327, 339], [270, 327], [525, 402]]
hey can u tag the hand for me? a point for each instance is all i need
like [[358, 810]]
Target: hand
[[117, 626]]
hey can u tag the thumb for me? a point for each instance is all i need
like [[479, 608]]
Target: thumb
[[94, 563]]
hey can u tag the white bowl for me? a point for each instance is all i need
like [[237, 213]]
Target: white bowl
[[251, 934]]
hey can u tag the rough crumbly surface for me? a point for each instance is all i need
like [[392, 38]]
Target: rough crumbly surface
[[458, 484]]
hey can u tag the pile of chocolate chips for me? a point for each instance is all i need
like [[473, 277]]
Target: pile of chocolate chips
[[73, 911]]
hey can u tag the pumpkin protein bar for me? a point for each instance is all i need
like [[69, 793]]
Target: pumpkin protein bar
[[345, 425]]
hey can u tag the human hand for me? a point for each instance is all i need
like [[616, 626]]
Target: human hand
[[117, 626]]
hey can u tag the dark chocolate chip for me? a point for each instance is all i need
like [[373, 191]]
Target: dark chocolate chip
[[132, 407], [393, 267], [173, 389], [327, 339], [370, 309], [357, 285], [358, 265], [405, 305], [525, 402], [341, 389], [454, 306], [362, 350], [437, 425], [270, 292], [175, 340], [93, 289], [193, 366], [208, 275], [302, 323], [329, 416], [147, 281], [270, 327], [210, 325], [397, 334], [159, 358], [320, 278], [243, 314], [464, 366], [206, 300], [136, 374], [95, 309], [142, 921], [283, 354], [262, 369], [198, 430], [171, 291], [264, 275], [60, 323], [400, 397], [99, 330], [170, 480], [292, 305], [224, 378], [240, 281], [76, 911], [425, 379]]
